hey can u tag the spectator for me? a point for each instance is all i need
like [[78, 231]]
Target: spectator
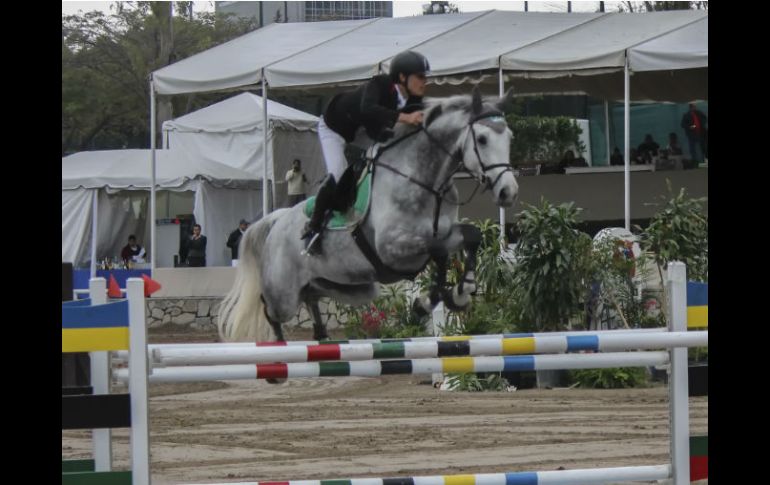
[[694, 123], [673, 145], [132, 252], [296, 183], [194, 250], [648, 150], [235, 237], [569, 160], [616, 158]]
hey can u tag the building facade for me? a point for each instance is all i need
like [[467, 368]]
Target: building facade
[[271, 12]]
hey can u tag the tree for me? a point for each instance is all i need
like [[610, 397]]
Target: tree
[[679, 232], [439, 7], [107, 61], [660, 6]]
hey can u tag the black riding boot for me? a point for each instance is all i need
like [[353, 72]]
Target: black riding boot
[[324, 202]]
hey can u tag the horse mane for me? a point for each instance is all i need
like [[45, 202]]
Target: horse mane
[[434, 108]]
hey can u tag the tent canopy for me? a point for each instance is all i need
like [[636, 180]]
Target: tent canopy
[[687, 47], [535, 44], [120, 181], [129, 169], [239, 114], [231, 133], [240, 61], [598, 44]]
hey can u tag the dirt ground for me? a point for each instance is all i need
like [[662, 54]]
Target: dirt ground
[[326, 428]]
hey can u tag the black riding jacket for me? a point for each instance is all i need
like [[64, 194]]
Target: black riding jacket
[[373, 105]]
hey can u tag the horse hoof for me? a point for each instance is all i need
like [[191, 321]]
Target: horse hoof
[[418, 309], [272, 380], [454, 301]]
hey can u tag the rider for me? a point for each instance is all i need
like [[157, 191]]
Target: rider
[[372, 108]]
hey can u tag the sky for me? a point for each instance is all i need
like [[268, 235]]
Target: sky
[[400, 8]]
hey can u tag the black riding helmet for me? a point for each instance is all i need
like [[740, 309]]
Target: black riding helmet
[[407, 63]]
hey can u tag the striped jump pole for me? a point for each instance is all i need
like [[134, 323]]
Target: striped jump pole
[[375, 368], [122, 355], [561, 477], [219, 354], [91, 327]]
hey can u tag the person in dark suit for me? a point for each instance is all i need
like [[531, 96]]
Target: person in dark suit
[[195, 248], [235, 237], [694, 123], [373, 108], [648, 149], [616, 158]]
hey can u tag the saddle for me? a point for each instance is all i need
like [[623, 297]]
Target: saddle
[[354, 191]]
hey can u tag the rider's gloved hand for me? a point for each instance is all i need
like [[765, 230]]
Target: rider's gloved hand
[[414, 118], [385, 135]]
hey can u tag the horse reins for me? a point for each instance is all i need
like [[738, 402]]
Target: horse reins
[[460, 166]]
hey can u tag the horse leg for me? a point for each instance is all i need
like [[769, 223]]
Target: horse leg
[[319, 329], [274, 323], [459, 298], [423, 305]]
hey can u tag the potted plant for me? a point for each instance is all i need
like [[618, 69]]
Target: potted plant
[[679, 232], [553, 263]]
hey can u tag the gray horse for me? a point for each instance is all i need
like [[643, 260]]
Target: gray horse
[[413, 217]]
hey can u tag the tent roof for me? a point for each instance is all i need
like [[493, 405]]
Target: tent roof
[[240, 113], [501, 31], [358, 54], [598, 44], [318, 53], [687, 46], [129, 169], [240, 61]]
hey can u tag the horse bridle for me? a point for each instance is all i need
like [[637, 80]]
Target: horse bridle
[[457, 159]]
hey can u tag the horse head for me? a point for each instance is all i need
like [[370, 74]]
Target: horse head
[[484, 142]]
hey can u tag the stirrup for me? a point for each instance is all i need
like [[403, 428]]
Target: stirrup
[[309, 247], [372, 152]]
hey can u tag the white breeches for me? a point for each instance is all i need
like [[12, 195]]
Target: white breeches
[[333, 147]]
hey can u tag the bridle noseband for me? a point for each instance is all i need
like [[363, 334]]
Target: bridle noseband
[[483, 179]]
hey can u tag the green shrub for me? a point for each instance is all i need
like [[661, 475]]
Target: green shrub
[[611, 378], [473, 383], [553, 265], [388, 316], [543, 138]]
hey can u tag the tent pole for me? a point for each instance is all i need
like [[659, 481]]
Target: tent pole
[[607, 129], [153, 245], [94, 229], [501, 85], [265, 207], [627, 139]]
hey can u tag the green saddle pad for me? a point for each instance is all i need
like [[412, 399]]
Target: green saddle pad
[[342, 220]]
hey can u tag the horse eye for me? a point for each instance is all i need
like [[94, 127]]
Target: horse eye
[[482, 140]]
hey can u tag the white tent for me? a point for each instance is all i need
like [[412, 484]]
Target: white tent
[[240, 61], [114, 184], [231, 132], [538, 43], [685, 48], [591, 53]]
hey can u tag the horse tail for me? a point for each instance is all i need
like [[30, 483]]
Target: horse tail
[[242, 312]]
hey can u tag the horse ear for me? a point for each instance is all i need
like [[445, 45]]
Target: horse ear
[[506, 102], [476, 103], [433, 114]]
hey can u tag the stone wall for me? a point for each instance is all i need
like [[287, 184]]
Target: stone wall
[[200, 313]]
